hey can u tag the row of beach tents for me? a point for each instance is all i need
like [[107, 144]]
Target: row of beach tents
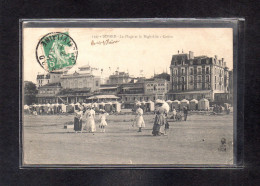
[[62, 108], [202, 104], [115, 106]]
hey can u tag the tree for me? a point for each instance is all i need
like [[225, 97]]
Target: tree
[[30, 92]]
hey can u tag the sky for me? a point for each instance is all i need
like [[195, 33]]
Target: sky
[[133, 50]]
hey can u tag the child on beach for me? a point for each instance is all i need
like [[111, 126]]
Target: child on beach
[[103, 122]]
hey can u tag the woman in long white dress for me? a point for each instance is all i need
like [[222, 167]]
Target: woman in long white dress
[[139, 118], [90, 120]]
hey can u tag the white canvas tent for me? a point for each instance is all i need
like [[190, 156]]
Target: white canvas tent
[[151, 105], [176, 104], [193, 104], [184, 103], [203, 104]]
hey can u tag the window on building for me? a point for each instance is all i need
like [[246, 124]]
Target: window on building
[[199, 79], [207, 78], [97, 83], [191, 71], [191, 79], [199, 70], [215, 79], [182, 71], [207, 70], [199, 82]]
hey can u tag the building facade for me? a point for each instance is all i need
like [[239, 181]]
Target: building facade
[[43, 79], [119, 78], [142, 90], [48, 93], [156, 89], [197, 77], [84, 78]]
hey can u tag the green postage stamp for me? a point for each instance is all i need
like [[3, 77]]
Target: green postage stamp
[[56, 52]]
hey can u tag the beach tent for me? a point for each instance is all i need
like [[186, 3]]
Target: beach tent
[[37, 109], [138, 103], [71, 108], [26, 107], [101, 105], [117, 106], [144, 106], [63, 107], [176, 104], [158, 101], [184, 103], [95, 105], [45, 108], [150, 105], [108, 107], [203, 104], [76, 106], [194, 104]]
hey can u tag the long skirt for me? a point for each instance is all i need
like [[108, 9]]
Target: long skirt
[[91, 126], [77, 124], [156, 130], [140, 121]]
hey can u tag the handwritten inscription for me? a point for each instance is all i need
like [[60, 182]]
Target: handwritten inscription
[[104, 42]]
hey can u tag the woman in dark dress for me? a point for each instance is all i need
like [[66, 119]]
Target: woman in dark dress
[[160, 120], [78, 121]]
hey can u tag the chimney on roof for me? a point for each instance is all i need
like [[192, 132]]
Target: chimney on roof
[[191, 55], [182, 50], [216, 57], [225, 64], [222, 61], [178, 51]]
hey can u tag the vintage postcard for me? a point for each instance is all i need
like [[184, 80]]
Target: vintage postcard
[[127, 96]]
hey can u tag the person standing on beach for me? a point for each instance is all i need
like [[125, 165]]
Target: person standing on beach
[[78, 121], [159, 120], [103, 122], [185, 112], [139, 118], [90, 120], [174, 113]]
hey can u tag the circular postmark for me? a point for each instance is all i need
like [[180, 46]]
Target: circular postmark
[[56, 52]]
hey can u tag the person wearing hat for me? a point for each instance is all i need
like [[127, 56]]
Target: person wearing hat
[[185, 112], [160, 119], [103, 122], [78, 120], [139, 118], [90, 120]]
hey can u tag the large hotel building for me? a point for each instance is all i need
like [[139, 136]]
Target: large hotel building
[[197, 77]]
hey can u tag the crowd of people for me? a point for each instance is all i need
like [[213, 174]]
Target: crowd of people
[[84, 119]]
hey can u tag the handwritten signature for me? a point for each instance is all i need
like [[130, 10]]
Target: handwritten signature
[[104, 42]]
